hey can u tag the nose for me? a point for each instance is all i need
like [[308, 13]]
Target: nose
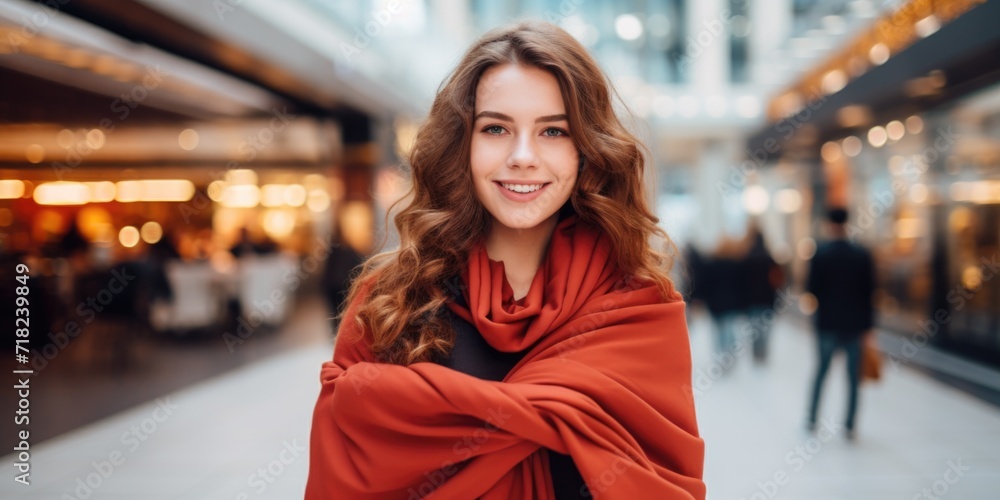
[[523, 154]]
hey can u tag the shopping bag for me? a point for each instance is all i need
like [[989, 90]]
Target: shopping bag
[[871, 359]]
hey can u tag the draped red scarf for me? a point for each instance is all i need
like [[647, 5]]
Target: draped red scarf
[[606, 380]]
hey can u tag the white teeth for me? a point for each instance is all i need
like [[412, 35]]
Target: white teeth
[[522, 188]]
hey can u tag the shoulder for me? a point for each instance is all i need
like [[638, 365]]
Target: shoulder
[[628, 290], [860, 250], [822, 255], [831, 248]]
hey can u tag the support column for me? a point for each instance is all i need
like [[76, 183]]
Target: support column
[[708, 43]]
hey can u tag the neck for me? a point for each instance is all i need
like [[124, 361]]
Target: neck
[[521, 251]]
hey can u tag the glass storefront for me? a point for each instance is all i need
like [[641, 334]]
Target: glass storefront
[[925, 197]]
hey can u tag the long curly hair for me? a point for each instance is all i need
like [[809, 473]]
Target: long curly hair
[[404, 290]]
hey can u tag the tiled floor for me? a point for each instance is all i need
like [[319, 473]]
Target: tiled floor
[[245, 432]]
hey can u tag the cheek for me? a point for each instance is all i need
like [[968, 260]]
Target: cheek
[[571, 180], [564, 162], [482, 158]]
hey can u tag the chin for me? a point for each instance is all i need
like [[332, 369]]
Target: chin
[[513, 221]]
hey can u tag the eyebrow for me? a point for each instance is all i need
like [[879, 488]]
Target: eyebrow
[[508, 118]]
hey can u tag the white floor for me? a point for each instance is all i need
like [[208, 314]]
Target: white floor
[[224, 437], [911, 430], [246, 433]]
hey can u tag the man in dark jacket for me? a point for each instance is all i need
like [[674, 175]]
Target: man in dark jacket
[[842, 278]]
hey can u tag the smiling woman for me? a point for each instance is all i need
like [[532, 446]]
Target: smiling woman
[[524, 340], [523, 163]]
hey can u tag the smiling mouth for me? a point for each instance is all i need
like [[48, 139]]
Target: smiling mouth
[[522, 188]]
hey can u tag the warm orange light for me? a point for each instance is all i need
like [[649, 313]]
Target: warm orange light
[[62, 193], [318, 200], [151, 232], [128, 236], [241, 196], [154, 190], [101, 192], [11, 189]]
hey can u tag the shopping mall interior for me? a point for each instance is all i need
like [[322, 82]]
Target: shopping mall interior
[[189, 185]]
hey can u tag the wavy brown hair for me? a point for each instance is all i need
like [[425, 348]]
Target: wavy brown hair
[[406, 288]]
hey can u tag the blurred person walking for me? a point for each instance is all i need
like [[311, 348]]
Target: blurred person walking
[[692, 284], [725, 296], [763, 277], [842, 278], [340, 265]]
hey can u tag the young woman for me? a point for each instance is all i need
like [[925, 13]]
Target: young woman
[[524, 340]]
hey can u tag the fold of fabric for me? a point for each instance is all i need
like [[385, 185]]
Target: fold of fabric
[[606, 379]]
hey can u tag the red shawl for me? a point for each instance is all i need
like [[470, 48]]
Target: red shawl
[[606, 380]]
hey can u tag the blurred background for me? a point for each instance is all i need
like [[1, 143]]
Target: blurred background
[[190, 182]]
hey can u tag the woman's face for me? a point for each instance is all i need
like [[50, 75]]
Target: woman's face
[[524, 161]]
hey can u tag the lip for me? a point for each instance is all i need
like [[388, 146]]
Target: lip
[[521, 197]]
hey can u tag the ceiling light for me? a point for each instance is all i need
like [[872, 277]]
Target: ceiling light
[[628, 27], [878, 54], [851, 146]]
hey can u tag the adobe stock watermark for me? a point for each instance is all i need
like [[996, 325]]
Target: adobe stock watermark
[[565, 9], [31, 25], [369, 372], [224, 7], [883, 201], [710, 32], [87, 309], [756, 158], [595, 320], [703, 379], [365, 374], [534, 209], [957, 297], [464, 449], [363, 36], [941, 487], [606, 479], [290, 283], [796, 459], [268, 473], [248, 150], [122, 108], [131, 439]]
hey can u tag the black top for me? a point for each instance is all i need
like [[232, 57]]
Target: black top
[[724, 285], [842, 277], [759, 267], [474, 356]]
